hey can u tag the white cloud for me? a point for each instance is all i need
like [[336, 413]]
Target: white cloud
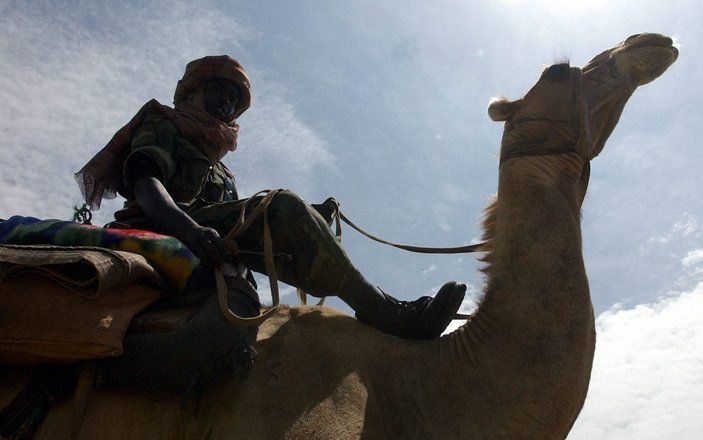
[[693, 258], [275, 139], [287, 293], [688, 227], [647, 380]]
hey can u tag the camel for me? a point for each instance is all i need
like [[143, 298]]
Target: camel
[[518, 368]]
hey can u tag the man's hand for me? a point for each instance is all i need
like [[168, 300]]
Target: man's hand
[[206, 244], [158, 205]]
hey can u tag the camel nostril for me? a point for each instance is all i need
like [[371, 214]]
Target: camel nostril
[[631, 38]]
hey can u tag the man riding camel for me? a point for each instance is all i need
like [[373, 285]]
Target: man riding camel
[[167, 164]]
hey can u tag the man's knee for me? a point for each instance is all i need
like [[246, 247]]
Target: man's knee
[[288, 201]]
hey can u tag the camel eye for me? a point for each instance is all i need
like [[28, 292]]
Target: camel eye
[[557, 72]]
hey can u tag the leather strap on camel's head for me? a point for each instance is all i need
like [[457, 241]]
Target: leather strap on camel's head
[[549, 120], [524, 135], [575, 110]]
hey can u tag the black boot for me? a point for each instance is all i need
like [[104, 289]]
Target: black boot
[[424, 318]]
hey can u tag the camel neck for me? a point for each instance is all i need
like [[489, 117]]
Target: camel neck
[[535, 268], [530, 344]]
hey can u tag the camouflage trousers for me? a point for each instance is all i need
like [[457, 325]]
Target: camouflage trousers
[[319, 265]]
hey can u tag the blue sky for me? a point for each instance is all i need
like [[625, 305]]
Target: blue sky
[[382, 105]]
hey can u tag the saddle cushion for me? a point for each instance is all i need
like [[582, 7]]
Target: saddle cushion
[[62, 305]]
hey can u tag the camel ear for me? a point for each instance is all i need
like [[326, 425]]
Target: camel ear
[[500, 109]]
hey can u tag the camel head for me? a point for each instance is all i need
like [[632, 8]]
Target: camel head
[[576, 109]]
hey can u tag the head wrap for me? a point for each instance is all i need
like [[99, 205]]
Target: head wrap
[[102, 176], [214, 67]]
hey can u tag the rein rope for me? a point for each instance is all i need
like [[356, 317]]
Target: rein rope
[[242, 224], [510, 151], [338, 215]]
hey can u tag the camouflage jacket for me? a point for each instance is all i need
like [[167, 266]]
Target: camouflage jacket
[[184, 169]]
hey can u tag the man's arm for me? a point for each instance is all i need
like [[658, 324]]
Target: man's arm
[[158, 205]]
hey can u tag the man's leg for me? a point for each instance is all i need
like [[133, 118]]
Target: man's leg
[[320, 266]]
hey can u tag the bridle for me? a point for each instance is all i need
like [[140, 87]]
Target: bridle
[[577, 119]]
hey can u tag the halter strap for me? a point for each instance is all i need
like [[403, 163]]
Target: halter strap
[[577, 118], [524, 150]]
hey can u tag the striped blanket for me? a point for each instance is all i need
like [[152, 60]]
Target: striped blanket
[[171, 259]]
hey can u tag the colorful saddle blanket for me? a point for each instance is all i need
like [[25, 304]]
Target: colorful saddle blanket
[[171, 258]]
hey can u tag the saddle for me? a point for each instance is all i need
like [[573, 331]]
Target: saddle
[[64, 307]]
